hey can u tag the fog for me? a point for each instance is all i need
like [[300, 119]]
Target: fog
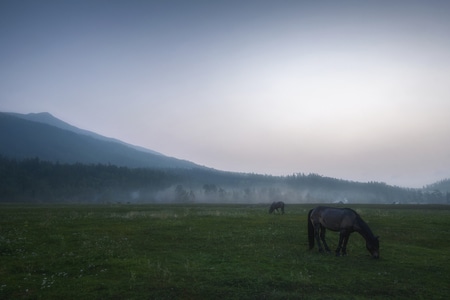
[[342, 193]]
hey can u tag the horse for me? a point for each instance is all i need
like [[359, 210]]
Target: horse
[[343, 220], [276, 206]]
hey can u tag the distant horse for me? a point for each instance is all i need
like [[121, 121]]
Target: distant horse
[[344, 220], [276, 206]]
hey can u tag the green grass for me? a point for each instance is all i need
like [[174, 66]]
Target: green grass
[[216, 251]]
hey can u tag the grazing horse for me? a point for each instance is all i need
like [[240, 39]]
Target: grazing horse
[[343, 220], [276, 206]]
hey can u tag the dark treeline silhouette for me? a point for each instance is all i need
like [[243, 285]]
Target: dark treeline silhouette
[[439, 190], [41, 181], [35, 180]]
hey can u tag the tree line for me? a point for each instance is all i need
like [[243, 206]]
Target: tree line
[[35, 180]]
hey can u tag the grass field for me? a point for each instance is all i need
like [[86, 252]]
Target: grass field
[[216, 252]]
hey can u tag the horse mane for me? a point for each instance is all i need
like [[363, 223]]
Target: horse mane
[[365, 229]]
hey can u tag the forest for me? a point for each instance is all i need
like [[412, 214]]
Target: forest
[[38, 181]]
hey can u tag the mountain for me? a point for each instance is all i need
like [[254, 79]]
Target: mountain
[[49, 119], [48, 138]]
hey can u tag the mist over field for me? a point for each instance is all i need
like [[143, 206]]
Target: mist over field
[[46, 182]]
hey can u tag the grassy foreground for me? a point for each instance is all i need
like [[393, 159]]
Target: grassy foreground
[[216, 251]]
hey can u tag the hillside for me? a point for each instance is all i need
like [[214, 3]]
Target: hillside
[[43, 159], [45, 137], [49, 119]]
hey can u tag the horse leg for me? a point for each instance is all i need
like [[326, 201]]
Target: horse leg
[[344, 245], [339, 247], [316, 235], [322, 237]]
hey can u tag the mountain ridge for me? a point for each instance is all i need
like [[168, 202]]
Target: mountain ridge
[[44, 136], [36, 135], [47, 118]]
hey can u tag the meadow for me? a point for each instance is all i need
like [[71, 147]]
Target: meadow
[[191, 251]]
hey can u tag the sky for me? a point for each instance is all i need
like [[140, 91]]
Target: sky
[[357, 90]]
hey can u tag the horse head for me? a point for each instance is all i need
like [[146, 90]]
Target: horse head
[[374, 247]]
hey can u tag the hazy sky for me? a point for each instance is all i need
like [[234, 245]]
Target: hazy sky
[[358, 90]]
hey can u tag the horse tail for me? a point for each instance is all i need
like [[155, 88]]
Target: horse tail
[[310, 231]]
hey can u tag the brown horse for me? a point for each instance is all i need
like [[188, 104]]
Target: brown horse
[[343, 220], [276, 206]]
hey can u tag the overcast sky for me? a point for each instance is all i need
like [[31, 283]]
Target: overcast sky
[[358, 90]]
